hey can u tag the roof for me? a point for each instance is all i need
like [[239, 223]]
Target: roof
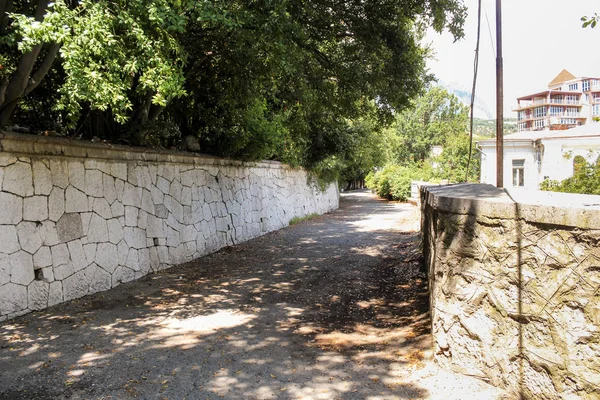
[[589, 130], [562, 77]]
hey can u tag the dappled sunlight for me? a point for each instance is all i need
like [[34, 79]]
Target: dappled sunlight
[[207, 323]]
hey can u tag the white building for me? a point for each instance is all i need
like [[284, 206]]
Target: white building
[[567, 102], [532, 156]]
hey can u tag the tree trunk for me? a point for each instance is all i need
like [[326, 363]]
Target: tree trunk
[[24, 79]]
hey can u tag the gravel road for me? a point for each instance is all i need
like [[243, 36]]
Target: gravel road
[[331, 308]]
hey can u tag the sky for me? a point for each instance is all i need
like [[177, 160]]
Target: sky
[[540, 39]]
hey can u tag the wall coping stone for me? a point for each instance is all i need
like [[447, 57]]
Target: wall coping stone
[[562, 209], [43, 146]]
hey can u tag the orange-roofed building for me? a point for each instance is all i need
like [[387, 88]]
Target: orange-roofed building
[[568, 102]]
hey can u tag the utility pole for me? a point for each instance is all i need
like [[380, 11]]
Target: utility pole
[[499, 99]]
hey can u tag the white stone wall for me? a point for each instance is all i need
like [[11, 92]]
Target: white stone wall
[[74, 226]]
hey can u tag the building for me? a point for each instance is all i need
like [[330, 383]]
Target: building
[[568, 102], [532, 156]]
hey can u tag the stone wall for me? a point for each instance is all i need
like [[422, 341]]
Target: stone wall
[[515, 287], [78, 218]]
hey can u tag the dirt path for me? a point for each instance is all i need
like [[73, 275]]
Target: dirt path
[[335, 307]]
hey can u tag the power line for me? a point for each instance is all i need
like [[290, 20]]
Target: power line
[[475, 70]]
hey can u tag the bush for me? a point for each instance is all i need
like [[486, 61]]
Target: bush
[[393, 182], [586, 180]]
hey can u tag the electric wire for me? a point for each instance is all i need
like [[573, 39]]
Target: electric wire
[[475, 70]]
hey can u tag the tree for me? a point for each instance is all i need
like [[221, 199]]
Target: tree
[[21, 73], [434, 118], [251, 79]]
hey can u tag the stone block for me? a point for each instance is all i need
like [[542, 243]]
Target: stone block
[[69, 227], [134, 237], [11, 211], [49, 233], [55, 295], [63, 271], [144, 261], [18, 179], [9, 241], [157, 195], [102, 208], [133, 260], [163, 185], [132, 196], [60, 173], [161, 211], [98, 230], [117, 209], [107, 257], [29, 236], [42, 179], [37, 295], [101, 281], [75, 201], [35, 208], [93, 183], [119, 187], [77, 255], [142, 221], [60, 254], [119, 170], [90, 252], [147, 202], [131, 216], [109, 190], [56, 204], [115, 231], [122, 275], [122, 252], [77, 285], [155, 227], [21, 268], [13, 298], [42, 258], [4, 269], [77, 175]]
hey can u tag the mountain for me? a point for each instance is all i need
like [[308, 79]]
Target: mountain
[[464, 95]]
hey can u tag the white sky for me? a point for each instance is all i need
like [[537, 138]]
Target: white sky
[[540, 38]]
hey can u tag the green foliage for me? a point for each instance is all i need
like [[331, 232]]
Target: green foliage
[[451, 165], [590, 21], [297, 220], [393, 181], [433, 118], [585, 180], [310, 82]]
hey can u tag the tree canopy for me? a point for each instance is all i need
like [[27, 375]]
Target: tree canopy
[[288, 80]]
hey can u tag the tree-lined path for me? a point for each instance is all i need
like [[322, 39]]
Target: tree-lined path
[[335, 307]]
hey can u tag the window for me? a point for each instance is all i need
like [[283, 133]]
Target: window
[[572, 99], [596, 110], [555, 111], [518, 169], [572, 111], [539, 112], [557, 99], [585, 86], [539, 124], [573, 87]]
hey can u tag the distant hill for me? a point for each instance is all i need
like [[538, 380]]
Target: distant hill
[[464, 95], [487, 127]]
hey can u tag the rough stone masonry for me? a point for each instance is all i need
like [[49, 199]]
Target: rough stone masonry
[[514, 282], [78, 218]]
